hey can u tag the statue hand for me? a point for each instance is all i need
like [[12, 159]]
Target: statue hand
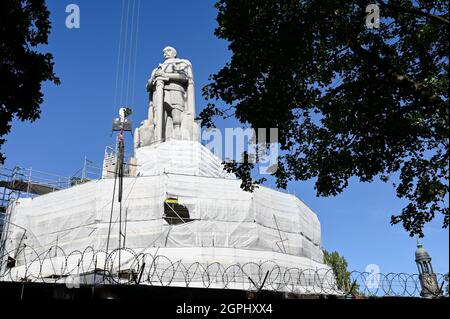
[[161, 78], [159, 73]]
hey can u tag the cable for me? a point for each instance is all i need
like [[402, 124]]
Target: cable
[[124, 56], [131, 49], [135, 52], [111, 214], [118, 57]]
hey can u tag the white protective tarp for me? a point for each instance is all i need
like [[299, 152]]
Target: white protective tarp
[[224, 216], [180, 157]]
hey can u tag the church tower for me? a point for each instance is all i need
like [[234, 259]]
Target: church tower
[[427, 277]]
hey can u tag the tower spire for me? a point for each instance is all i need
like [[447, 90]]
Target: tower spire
[[428, 279]]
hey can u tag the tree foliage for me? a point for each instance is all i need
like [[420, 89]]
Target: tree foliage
[[348, 101], [242, 169], [24, 25], [339, 266]]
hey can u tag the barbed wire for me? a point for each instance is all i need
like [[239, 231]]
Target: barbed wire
[[126, 266]]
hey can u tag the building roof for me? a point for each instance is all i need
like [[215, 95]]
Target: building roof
[[421, 253]]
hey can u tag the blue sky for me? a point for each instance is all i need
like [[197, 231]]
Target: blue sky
[[76, 121]]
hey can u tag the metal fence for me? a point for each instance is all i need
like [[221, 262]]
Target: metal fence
[[129, 267]]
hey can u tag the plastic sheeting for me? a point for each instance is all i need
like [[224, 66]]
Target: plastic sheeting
[[223, 215], [180, 157]]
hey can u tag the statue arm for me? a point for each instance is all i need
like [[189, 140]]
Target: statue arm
[[157, 74], [168, 72], [151, 83], [160, 73], [176, 77]]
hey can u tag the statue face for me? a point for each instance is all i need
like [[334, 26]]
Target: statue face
[[169, 52]]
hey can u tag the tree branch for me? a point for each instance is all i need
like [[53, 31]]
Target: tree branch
[[420, 90], [414, 11]]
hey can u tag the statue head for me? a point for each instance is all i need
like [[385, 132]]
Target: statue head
[[169, 53]]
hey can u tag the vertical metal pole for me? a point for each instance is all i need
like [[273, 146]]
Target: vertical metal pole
[[110, 221], [120, 159], [125, 228], [29, 182], [279, 233], [56, 246], [83, 174], [120, 166]]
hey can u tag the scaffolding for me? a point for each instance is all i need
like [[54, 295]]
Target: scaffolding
[[110, 162], [28, 183]]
